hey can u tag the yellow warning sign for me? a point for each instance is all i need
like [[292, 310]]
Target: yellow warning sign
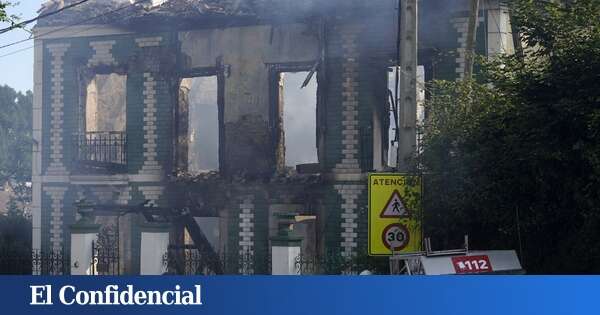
[[394, 214], [395, 207]]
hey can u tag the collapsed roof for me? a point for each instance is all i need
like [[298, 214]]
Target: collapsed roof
[[92, 12], [175, 12]]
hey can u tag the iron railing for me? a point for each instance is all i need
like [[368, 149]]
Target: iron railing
[[332, 264], [190, 261], [36, 262], [102, 147], [105, 260]]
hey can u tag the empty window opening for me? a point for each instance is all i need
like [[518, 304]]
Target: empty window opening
[[391, 150], [201, 96], [299, 118], [105, 108], [104, 121]]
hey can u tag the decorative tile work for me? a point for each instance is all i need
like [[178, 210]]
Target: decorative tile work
[[148, 41], [349, 234], [350, 135], [349, 167], [246, 232], [152, 193], [461, 25], [102, 53], [151, 165], [124, 195], [57, 195], [57, 166]]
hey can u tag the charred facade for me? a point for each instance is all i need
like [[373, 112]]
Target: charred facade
[[116, 120]]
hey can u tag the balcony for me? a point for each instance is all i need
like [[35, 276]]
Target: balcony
[[101, 151]]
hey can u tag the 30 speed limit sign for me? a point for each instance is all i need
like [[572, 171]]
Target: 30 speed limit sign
[[394, 214], [395, 237]]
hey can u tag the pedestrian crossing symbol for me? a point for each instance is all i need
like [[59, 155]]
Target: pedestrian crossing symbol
[[395, 207], [395, 214]]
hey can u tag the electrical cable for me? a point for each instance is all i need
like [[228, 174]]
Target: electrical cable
[[41, 16], [80, 22]]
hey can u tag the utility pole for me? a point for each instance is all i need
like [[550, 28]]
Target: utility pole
[[471, 39], [407, 98]]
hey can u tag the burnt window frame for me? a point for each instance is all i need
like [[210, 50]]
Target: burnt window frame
[[180, 132], [275, 111], [85, 75]]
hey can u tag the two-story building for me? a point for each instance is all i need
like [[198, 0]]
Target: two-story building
[[128, 93]]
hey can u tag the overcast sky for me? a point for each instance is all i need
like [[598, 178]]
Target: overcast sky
[[16, 70]]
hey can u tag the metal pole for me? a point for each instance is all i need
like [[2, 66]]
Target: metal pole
[[408, 84], [471, 39]]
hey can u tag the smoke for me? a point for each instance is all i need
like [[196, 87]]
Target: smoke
[[434, 20]]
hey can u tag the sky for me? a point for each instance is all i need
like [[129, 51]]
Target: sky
[[300, 119], [16, 70]]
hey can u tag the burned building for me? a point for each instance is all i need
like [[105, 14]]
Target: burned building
[[229, 111]]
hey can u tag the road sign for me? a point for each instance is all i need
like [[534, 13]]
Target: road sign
[[394, 214], [395, 207], [395, 237]]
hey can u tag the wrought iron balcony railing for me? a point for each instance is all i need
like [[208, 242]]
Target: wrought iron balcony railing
[[102, 148]]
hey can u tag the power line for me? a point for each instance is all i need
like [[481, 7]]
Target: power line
[[16, 51], [80, 22], [74, 24], [41, 16]]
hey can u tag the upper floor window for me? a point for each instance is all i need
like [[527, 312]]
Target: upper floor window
[[105, 108], [199, 125], [299, 118], [101, 141], [294, 101]]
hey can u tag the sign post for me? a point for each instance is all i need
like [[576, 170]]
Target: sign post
[[394, 214]]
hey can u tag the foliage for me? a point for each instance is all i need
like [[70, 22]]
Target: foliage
[[15, 232], [5, 17], [15, 168], [15, 242], [16, 141], [516, 163]]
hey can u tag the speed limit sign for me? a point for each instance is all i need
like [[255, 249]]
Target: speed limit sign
[[395, 237]]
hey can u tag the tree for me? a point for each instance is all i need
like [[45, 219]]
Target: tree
[[15, 170], [16, 141], [15, 242], [516, 163], [5, 17]]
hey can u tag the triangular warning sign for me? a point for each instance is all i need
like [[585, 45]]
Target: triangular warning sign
[[395, 207]]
